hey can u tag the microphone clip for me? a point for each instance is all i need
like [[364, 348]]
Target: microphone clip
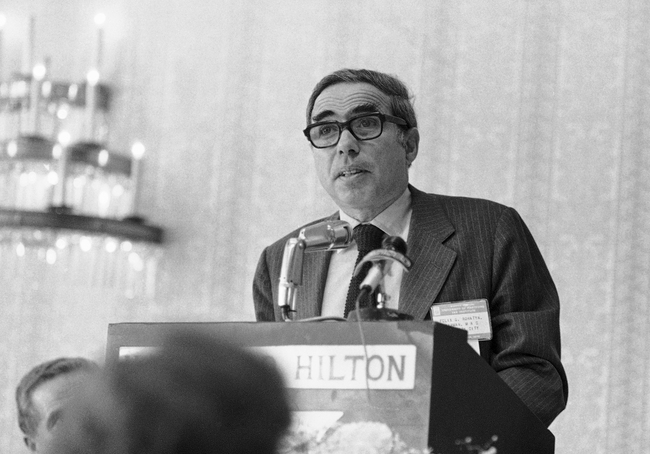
[[380, 255]]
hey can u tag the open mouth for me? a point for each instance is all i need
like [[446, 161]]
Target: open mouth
[[350, 172]]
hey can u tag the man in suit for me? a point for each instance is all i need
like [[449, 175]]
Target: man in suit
[[364, 137]]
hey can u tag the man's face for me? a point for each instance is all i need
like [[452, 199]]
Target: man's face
[[51, 399], [362, 177]]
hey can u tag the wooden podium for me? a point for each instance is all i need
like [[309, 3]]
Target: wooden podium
[[421, 379]]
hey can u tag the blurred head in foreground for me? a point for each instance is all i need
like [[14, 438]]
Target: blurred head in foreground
[[196, 395], [43, 396]]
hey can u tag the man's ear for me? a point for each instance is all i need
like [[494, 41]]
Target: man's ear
[[411, 144]]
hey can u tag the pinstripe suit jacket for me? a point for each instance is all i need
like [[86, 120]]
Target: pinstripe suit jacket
[[462, 249]]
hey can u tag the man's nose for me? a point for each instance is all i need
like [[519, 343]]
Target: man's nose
[[347, 143]]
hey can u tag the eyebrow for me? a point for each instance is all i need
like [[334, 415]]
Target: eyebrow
[[361, 108]]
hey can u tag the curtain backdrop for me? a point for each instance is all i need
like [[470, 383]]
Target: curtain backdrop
[[543, 105]]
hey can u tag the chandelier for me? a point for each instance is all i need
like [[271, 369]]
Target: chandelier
[[68, 203]]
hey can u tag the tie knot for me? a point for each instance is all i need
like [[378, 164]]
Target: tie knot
[[368, 237]]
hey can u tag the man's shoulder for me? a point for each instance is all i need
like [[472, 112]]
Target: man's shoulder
[[454, 206]]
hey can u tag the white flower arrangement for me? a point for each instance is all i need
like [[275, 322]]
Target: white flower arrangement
[[363, 438]]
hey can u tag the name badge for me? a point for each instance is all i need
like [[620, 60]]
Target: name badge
[[473, 316]]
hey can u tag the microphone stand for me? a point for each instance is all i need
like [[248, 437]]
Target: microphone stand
[[377, 311], [323, 236], [290, 276], [394, 251]]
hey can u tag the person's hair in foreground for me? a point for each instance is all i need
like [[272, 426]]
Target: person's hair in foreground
[[197, 395], [28, 415]]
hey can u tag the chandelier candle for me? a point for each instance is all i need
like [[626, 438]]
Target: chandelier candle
[[92, 78], [137, 151]]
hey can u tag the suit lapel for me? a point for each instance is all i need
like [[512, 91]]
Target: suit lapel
[[432, 261], [310, 294], [309, 298]]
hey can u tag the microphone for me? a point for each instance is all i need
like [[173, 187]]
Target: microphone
[[393, 250], [326, 236], [322, 236]]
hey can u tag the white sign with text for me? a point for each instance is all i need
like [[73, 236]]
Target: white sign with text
[[345, 366]]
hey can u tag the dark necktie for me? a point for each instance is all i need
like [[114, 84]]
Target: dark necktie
[[368, 238]]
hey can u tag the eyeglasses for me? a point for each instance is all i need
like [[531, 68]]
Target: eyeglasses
[[366, 126]]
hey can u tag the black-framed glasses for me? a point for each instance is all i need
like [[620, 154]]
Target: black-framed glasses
[[366, 126]]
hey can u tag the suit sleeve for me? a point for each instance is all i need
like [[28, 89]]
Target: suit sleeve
[[525, 348], [263, 291]]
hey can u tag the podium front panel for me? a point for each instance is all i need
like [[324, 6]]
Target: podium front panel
[[335, 372]]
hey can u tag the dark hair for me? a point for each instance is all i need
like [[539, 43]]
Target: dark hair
[[391, 86], [28, 417], [195, 395]]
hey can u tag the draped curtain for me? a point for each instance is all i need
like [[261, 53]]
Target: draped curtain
[[543, 105]]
